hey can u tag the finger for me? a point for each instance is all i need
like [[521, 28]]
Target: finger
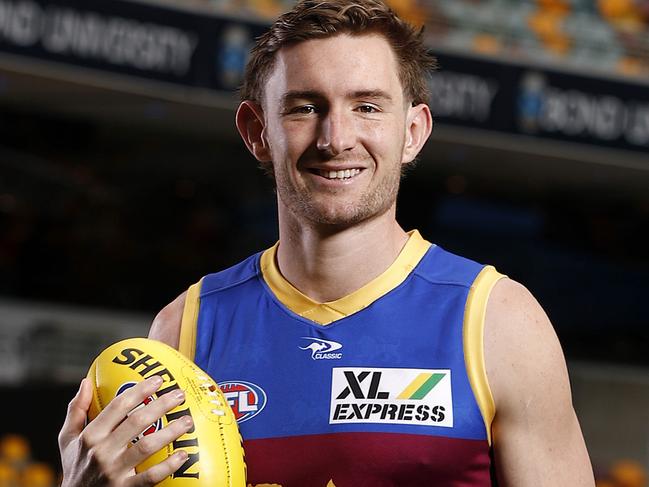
[[117, 409], [141, 419], [75, 419], [150, 444], [159, 472]]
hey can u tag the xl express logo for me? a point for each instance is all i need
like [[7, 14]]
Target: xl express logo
[[391, 396]]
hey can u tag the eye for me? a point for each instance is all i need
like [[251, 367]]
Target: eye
[[367, 109], [304, 110]]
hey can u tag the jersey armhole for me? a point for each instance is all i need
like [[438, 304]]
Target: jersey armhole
[[189, 323], [473, 338]]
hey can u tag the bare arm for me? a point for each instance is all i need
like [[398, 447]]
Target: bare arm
[[537, 437], [166, 325]]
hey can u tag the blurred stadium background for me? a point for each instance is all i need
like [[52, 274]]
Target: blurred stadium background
[[122, 181]]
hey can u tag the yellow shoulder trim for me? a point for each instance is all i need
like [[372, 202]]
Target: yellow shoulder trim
[[473, 337], [187, 343], [326, 313]]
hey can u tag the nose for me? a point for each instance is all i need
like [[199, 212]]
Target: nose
[[336, 132]]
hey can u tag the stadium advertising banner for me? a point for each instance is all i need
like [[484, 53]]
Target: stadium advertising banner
[[129, 38], [541, 103], [208, 52]]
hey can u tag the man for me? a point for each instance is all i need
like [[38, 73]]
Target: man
[[355, 353]]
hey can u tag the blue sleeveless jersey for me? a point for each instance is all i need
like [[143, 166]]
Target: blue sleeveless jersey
[[380, 396]]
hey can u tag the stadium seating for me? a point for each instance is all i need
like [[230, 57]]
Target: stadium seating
[[603, 36], [17, 469], [624, 473]]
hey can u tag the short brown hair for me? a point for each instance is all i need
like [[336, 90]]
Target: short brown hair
[[314, 19]]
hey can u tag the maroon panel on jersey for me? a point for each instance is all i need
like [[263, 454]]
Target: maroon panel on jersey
[[368, 459]]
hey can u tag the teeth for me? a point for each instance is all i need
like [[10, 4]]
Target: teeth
[[346, 174]]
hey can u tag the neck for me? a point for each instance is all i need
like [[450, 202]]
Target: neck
[[327, 263]]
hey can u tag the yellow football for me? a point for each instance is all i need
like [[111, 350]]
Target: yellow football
[[214, 444]]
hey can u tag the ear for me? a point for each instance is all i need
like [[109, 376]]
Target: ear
[[419, 125], [252, 128]]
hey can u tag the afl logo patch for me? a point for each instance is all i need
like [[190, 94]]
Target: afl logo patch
[[245, 398], [157, 426]]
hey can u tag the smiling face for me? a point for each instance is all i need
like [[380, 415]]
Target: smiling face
[[337, 129]]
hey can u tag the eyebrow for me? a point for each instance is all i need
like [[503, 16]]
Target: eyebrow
[[316, 95], [371, 94], [300, 95]]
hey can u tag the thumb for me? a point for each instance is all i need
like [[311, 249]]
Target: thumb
[[75, 420]]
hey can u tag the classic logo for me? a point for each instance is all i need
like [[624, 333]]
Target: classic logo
[[154, 426], [323, 349], [396, 396], [245, 398]]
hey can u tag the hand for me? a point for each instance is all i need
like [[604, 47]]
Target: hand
[[99, 454]]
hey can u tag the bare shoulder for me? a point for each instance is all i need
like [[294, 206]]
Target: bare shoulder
[[520, 341], [536, 435], [166, 324]]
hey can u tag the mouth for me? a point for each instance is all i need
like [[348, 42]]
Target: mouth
[[342, 175]]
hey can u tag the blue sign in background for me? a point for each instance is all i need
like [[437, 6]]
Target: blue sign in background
[[204, 51]]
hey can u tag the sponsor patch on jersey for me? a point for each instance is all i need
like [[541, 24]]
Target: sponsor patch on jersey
[[157, 426], [245, 398], [323, 349], [391, 396]]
